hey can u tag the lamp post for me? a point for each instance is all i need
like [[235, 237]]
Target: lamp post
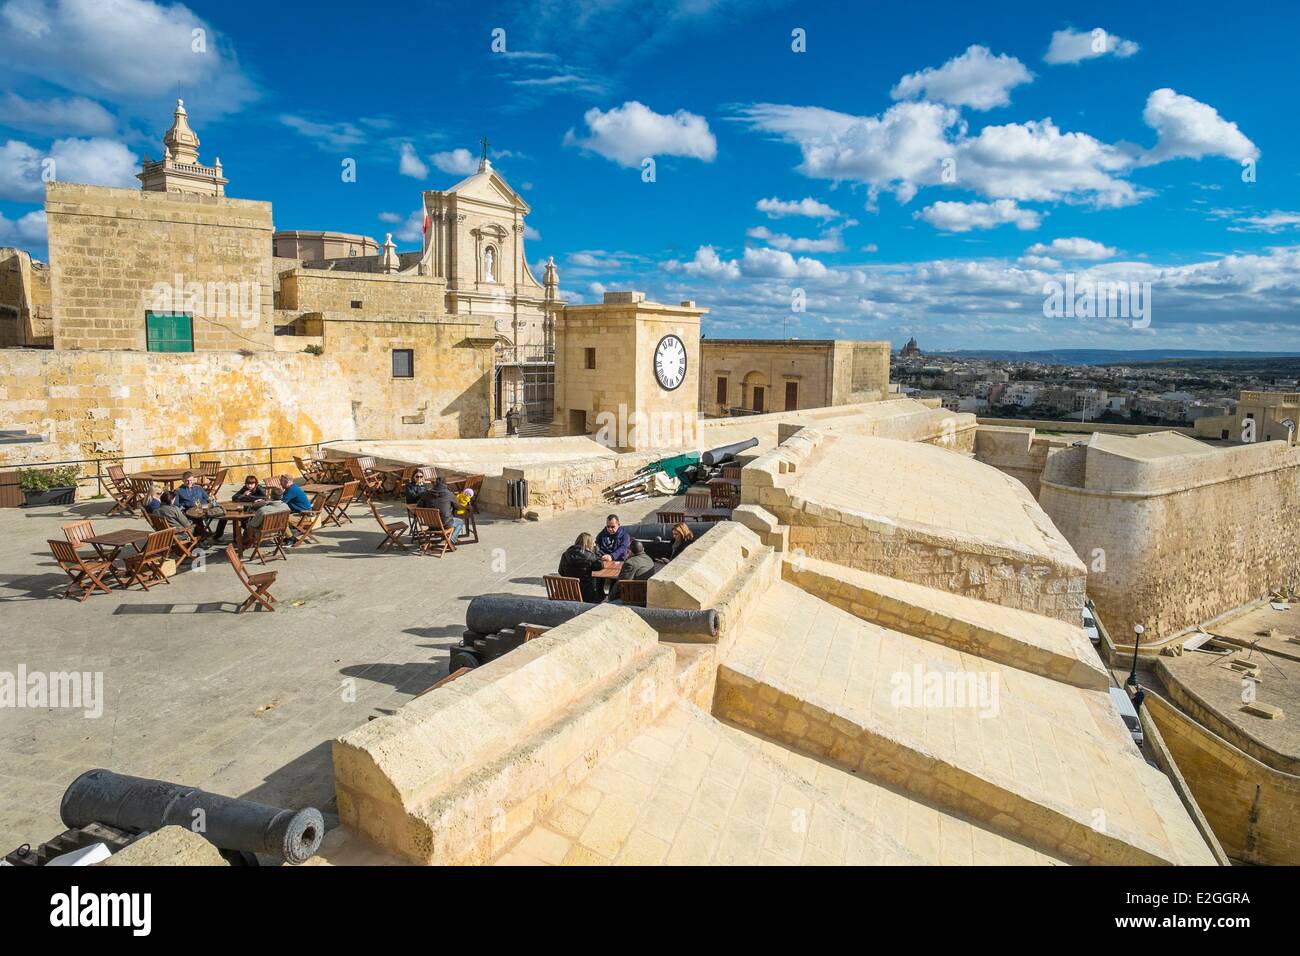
[[1138, 631]]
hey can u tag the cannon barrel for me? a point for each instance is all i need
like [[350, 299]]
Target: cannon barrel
[[724, 453], [489, 613], [137, 804]]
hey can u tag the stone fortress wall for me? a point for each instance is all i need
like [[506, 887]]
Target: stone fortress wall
[[1184, 531], [110, 247]]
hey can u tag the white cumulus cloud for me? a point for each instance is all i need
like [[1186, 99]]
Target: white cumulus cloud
[[456, 162], [965, 216], [780, 208], [633, 132], [1074, 247], [1189, 129], [95, 161], [976, 78], [132, 51], [1074, 46], [411, 164]]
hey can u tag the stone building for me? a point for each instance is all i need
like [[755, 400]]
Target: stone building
[[751, 376], [309, 246], [1260, 416], [433, 344], [627, 371]]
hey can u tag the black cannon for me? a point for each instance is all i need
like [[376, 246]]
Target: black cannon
[[139, 804], [725, 453], [494, 624]]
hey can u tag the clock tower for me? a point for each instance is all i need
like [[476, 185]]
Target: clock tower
[[627, 372]]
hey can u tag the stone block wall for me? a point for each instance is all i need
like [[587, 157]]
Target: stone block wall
[[1178, 540], [112, 404], [458, 774], [1253, 809], [1048, 580], [24, 301], [109, 248], [1018, 452]]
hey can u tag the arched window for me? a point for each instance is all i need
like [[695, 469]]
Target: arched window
[[490, 265]]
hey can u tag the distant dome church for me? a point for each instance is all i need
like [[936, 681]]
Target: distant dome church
[[911, 348]]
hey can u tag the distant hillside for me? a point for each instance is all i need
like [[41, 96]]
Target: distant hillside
[[1113, 356]]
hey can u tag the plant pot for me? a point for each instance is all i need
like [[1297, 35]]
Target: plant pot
[[52, 496]]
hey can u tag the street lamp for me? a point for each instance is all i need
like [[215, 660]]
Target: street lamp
[[1138, 631]]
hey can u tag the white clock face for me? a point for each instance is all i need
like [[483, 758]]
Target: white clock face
[[670, 362]]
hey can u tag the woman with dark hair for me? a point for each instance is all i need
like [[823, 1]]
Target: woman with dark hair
[[579, 561], [251, 490]]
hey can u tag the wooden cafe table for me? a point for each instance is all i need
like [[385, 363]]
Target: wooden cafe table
[[171, 477], [109, 544]]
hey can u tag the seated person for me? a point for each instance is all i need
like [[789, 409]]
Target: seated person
[[296, 499], [251, 491], [637, 566], [191, 495], [463, 499], [172, 513], [579, 561], [440, 498], [613, 540], [418, 487], [682, 536], [275, 505], [154, 501]]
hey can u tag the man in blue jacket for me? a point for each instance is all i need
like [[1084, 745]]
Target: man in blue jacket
[[613, 541], [296, 499]]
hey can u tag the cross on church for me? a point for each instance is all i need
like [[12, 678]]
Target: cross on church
[[484, 143]]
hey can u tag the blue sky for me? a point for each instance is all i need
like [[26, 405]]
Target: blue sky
[[921, 169]]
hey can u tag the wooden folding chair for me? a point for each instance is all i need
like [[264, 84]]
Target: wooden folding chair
[[271, 533], [370, 482], [560, 588], [212, 483], [304, 522], [309, 469], [146, 567], [670, 517], [392, 532], [723, 496], [78, 531], [87, 574], [731, 471], [429, 533], [336, 504], [119, 487], [141, 490], [697, 500], [404, 480], [258, 584], [631, 592], [185, 540]]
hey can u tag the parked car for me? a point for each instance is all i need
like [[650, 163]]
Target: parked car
[[1128, 713], [1090, 626]]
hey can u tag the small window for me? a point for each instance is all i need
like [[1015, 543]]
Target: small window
[[791, 395], [591, 358], [169, 331], [356, 303], [722, 390], [403, 363]]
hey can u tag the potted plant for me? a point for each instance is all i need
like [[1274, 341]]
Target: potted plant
[[49, 486]]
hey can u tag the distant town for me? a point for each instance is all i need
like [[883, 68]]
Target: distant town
[[1170, 391]]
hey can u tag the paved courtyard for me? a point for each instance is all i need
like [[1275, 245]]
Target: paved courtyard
[[247, 704]]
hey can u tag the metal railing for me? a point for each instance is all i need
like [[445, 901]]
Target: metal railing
[[191, 459]]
